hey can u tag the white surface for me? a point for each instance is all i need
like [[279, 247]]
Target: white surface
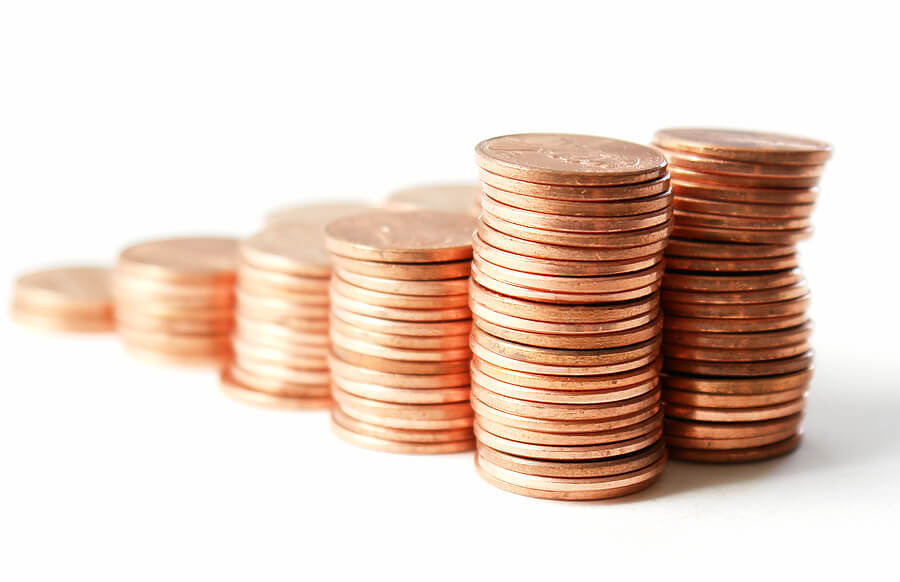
[[121, 121]]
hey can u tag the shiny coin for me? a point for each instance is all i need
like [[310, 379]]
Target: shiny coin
[[573, 469], [388, 299], [771, 411], [410, 354], [439, 288], [402, 395], [403, 271], [611, 381], [577, 224], [566, 453], [579, 209], [398, 366], [749, 386], [389, 446], [576, 193], [292, 248], [739, 369], [412, 381], [737, 455], [181, 259], [399, 434], [745, 146], [727, 430]]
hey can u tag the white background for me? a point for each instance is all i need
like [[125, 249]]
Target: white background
[[126, 120]]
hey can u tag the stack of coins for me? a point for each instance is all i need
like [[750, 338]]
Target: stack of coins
[[399, 330], [464, 198], [76, 299], [281, 339], [736, 341], [564, 295], [174, 299], [313, 215]]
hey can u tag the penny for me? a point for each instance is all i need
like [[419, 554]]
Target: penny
[[702, 219], [234, 389], [569, 489], [569, 159], [554, 411], [606, 240], [307, 324], [246, 350], [276, 372], [736, 414], [577, 342], [314, 216], [280, 333], [398, 313], [576, 193], [726, 430], [143, 322], [295, 304], [411, 328], [728, 444], [442, 411], [797, 305], [719, 250], [609, 381], [291, 248], [689, 186], [748, 325], [277, 387], [784, 182], [733, 354], [407, 423], [538, 437], [413, 381], [181, 259], [728, 369], [399, 434], [460, 198], [402, 395], [745, 146], [400, 341], [388, 446], [778, 383], [577, 224], [714, 165], [399, 366], [698, 399], [56, 323], [737, 455], [725, 283], [174, 343], [766, 339], [566, 453], [731, 265], [388, 299], [649, 243], [756, 236], [614, 466], [251, 277], [630, 207], [770, 211], [78, 291], [403, 271], [168, 358], [413, 355], [405, 237], [440, 287], [202, 295], [556, 267], [776, 294]]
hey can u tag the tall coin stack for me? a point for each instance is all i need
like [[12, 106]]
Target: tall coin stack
[[564, 294], [174, 299], [399, 330], [738, 361]]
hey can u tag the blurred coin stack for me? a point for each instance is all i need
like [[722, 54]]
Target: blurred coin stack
[[399, 330], [564, 294], [174, 299], [464, 198], [736, 341], [75, 299]]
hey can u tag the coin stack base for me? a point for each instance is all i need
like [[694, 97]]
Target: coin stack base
[[68, 299], [738, 361]]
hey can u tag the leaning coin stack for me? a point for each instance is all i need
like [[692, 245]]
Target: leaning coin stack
[[174, 299], [75, 299], [736, 346], [564, 295], [399, 330], [465, 198]]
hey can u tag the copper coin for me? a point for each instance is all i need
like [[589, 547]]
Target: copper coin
[[280, 334], [737, 455], [630, 207], [731, 265], [726, 430], [712, 165], [610, 381], [556, 267], [405, 237], [734, 354], [606, 240], [281, 373], [438, 288], [778, 383], [557, 396], [411, 354], [555, 411], [277, 387], [615, 466], [461, 198], [742, 297], [56, 323], [253, 278], [399, 434], [749, 325], [164, 310], [234, 389], [766, 339], [539, 295], [562, 489], [686, 218], [566, 453], [175, 343], [402, 395], [736, 414], [244, 350], [728, 444], [169, 358], [654, 241], [291, 248], [718, 250], [784, 182], [388, 299], [538, 437], [577, 193], [576, 224], [400, 341], [181, 259], [771, 211], [797, 305], [399, 366], [384, 410], [387, 446], [398, 313], [403, 271], [549, 158], [192, 295], [407, 422], [297, 304], [689, 186], [728, 369], [698, 399], [559, 370], [605, 340], [411, 328], [756, 236], [413, 381], [142, 322], [78, 291], [564, 314], [303, 324], [314, 216], [745, 146], [730, 283]]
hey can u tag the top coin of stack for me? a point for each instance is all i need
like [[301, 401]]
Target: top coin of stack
[[281, 339], [313, 215], [77, 299], [564, 296], [174, 299], [736, 341], [464, 198], [399, 330]]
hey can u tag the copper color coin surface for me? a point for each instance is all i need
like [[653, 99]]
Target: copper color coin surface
[[315, 216], [287, 248], [398, 366], [689, 184], [566, 453], [769, 211], [737, 455], [175, 342], [756, 236], [412, 328], [56, 323], [794, 306], [77, 290], [277, 387], [280, 373], [777, 383], [543, 437], [613, 339], [737, 297], [369, 416], [399, 434], [569, 159], [584, 209], [434, 287], [410, 354], [716, 250], [249, 276], [731, 265], [388, 299], [142, 322], [158, 356], [564, 426], [404, 271], [197, 258], [771, 411], [461, 198], [402, 395], [735, 168], [708, 324], [557, 411], [601, 381], [577, 193], [608, 240], [783, 182], [699, 399], [764, 339], [388, 446], [406, 237], [248, 395], [740, 369], [247, 350], [274, 333], [574, 469], [440, 411], [413, 381], [730, 283], [727, 443], [741, 145], [340, 300], [725, 430], [690, 218], [576, 224], [734, 354], [400, 341]]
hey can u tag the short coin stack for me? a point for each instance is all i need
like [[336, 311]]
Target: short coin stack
[[564, 295], [76, 299], [174, 299], [736, 341], [464, 198], [399, 330]]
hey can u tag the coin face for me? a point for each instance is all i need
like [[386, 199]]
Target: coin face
[[289, 248], [84, 290], [195, 257], [551, 158], [749, 146]]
